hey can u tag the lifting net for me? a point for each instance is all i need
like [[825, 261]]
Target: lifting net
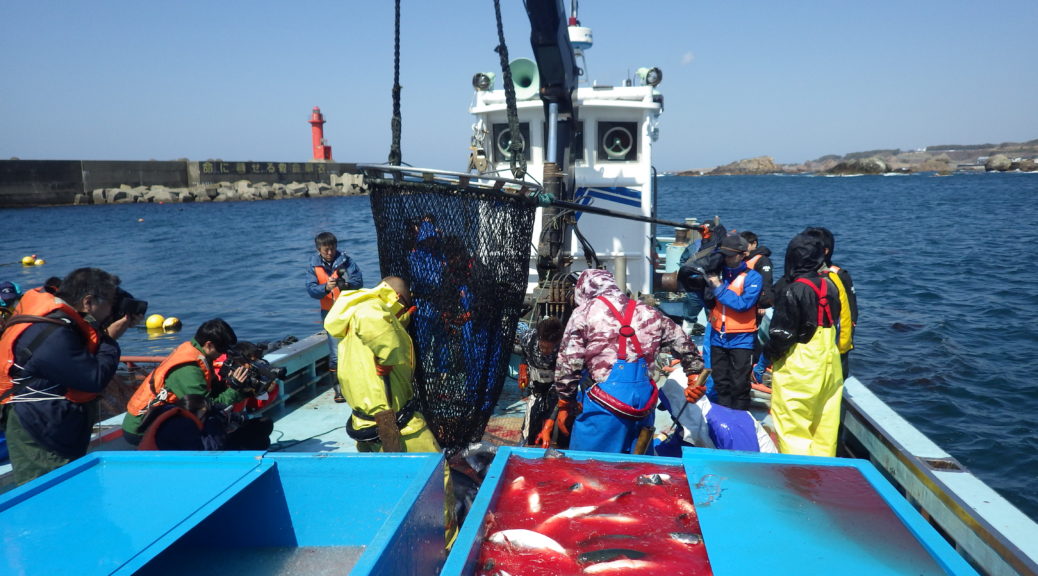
[[464, 249]]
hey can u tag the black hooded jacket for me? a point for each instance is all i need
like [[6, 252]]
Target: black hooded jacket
[[764, 267], [795, 317]]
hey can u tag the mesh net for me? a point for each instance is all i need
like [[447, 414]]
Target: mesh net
[[465, 252]]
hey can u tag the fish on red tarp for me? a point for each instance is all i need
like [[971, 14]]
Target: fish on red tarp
[[557, 516]]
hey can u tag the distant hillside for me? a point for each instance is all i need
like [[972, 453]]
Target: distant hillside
[[945, 158]]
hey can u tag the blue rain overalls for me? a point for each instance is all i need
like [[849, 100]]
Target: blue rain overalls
[[615, 410]]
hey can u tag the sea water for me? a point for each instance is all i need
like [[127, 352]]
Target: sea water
[[943, 268]]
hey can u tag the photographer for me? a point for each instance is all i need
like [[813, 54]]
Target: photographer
[[187, 371], [243, 432], [57, 354], [329, 273]]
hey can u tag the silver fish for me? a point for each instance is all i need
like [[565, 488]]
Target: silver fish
[[527, 539], [689, 538], [654, 479]]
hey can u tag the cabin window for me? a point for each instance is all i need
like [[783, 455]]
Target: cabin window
[[503, 139], [618, 141], [577, 144]]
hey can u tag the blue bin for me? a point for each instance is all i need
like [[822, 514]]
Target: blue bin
[[238, 512], [770, 514]]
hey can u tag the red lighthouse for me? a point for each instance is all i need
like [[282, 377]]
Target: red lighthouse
[[321, 150]]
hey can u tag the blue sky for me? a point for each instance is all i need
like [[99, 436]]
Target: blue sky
[[138, 80]]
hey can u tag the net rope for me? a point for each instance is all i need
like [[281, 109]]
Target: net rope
[[465, 252]]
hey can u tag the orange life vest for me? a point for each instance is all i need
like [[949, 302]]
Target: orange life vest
[[40, 303], [752, 261], [726, 320], [322, 279], [153, 389], [148, 440]]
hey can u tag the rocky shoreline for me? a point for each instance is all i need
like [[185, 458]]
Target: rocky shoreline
[[237, 191], [1006, 157]]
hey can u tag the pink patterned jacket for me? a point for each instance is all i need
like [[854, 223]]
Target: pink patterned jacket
[[590, 340]]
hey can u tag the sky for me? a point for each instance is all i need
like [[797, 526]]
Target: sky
[[236, 80]]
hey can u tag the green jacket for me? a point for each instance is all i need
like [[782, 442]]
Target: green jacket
[[185, 380]]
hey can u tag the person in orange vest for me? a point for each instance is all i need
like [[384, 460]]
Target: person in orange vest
[[188, 370], [57, 354], [732, 299], [327, 275]]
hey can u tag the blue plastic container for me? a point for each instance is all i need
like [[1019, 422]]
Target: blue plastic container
[[770, 514], [231, 512]]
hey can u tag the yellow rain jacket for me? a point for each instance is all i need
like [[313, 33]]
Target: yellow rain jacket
[[372, 326]]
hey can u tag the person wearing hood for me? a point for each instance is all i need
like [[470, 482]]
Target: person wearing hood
[[371, 325], [807, 380], [602, 370], [733, 322], [848, 299]]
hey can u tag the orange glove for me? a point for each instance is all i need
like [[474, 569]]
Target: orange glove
[[695, 387], [383, 371], [524, 376], [568, 410], [694, 393], [544, 438]]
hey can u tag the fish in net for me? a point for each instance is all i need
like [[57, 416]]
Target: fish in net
[[465, 250]]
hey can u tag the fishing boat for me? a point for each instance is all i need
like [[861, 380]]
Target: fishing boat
[[602, 184]]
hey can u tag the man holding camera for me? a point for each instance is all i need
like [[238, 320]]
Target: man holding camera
[[732, 297], [329, 273], [57, 354], [187, 372]]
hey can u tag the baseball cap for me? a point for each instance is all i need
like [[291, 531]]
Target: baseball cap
[[734, 245]]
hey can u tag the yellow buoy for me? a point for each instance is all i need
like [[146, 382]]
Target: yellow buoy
[[39, 262], [29, 260], [171, 324], [154, 322]]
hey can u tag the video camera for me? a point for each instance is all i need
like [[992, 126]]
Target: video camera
[[692, 275], [260, 377], [341, 278], [126, 305]]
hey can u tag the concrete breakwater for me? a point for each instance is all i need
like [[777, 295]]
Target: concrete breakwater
[[240, 190], [56, 182]]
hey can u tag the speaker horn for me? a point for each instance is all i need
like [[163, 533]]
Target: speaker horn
[[525, 78]]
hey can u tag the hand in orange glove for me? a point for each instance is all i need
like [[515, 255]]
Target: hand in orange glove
[[524, 376], [695, 387], [568, 410], [544, 438], [383, 371]]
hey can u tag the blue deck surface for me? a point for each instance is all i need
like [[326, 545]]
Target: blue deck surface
[[120, 512]]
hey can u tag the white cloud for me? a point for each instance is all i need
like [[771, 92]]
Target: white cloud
[[687, 58]]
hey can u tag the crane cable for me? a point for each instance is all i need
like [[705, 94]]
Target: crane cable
[[516, 144], [397, 123]]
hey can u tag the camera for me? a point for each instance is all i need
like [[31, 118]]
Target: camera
[[260, 377], [692, 275], [126, 305], [341, 278]]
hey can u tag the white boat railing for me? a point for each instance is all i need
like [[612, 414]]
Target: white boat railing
[[991, 533]]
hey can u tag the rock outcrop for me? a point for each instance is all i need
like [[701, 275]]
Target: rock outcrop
[[859, 166], [998, 163], [241, 190], [758, 165]]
